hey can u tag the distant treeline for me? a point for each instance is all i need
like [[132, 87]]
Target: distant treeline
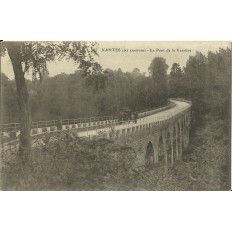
[[74, 95], [205, 80]]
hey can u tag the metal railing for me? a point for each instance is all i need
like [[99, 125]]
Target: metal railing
[[13, 127], [84, 126], [109, 127]]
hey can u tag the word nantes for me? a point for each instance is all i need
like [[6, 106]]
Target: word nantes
[[111, 49]]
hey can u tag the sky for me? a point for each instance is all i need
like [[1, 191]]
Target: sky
[[129, 55]]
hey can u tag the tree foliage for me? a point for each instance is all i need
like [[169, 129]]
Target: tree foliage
[[176, 71], [33, 56], [100, 93], [206, 81], [158, 71], [177, 82]]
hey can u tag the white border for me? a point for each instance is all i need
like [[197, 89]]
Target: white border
[[115, 20]]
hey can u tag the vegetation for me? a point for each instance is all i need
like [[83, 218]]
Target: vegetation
[[33, 56], [73, 96], [66, 162], [206, 82], [158, 71]]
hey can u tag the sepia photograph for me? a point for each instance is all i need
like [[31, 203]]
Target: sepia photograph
[[115, 116]]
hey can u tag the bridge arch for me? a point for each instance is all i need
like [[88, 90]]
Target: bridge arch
[[169, 146], [183, 134], [179, 140], [175, 143], [161, 151], [149, 156]]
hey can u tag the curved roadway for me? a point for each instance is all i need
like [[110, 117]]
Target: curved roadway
[[160, 116]]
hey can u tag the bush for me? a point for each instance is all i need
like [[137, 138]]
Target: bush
[[66, 162]]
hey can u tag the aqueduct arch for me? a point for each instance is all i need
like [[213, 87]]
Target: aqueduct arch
[[169, 147], [149, 156], [161, 151], [175, 145]]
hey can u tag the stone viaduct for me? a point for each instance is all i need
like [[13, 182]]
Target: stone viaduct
[[155, 137], [159, 137]]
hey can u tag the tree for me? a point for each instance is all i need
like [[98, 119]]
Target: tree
[[196, 73], [8, 105], [158, 68], [158, 71], [136, 71], [98, 80], [176, 71], [32, 57], [177, 82], [219, 82]]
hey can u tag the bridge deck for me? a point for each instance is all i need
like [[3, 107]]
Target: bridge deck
[[157, 117]]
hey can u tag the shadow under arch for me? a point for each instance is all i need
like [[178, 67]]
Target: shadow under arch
[[169, 147], [175, 155], [182, 136], [161, 153], [149, 156], [178, 139]]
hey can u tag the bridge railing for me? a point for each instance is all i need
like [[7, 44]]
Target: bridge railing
[[130, 126], [154, 111], [84, 126], [107, 128], [11, 131]]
